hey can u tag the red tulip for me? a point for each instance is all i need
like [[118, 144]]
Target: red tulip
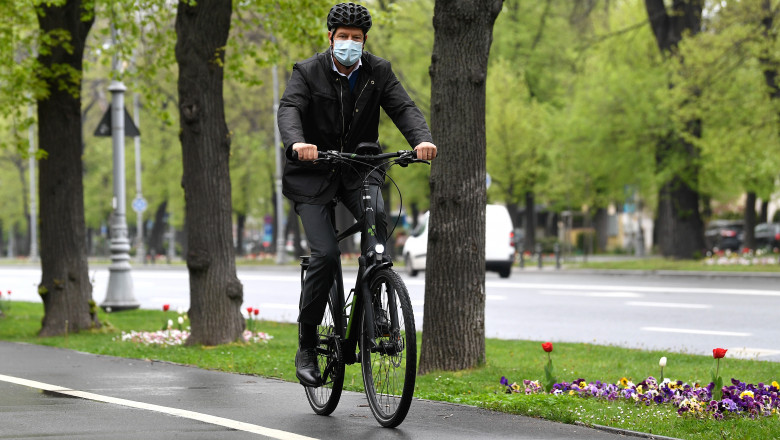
[[547, 346], [257, 312], [719, 353], [166, 307], [249, 310]]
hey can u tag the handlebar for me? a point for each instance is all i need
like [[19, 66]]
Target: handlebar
[[403, 156]]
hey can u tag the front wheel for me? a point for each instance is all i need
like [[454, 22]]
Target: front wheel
[[390, 361], [325, 398]]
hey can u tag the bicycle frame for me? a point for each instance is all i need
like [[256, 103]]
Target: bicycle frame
[[372, 258]]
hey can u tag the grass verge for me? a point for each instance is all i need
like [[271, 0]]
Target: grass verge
[[657, 263], [517, 360]]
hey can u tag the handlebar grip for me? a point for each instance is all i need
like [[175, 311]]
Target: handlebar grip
[[294, 156]]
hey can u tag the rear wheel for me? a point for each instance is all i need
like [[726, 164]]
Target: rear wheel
[[389, 364], [325, 398]]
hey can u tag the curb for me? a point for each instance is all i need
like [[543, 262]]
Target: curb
[[639, 272], [626, 432]]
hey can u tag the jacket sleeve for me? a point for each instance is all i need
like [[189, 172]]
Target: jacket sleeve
[[292, 107], [403, 111]]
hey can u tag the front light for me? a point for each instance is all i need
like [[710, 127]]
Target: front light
[[380, 249]]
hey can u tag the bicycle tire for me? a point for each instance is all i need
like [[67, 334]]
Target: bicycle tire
[[389, 371], [324, 399]]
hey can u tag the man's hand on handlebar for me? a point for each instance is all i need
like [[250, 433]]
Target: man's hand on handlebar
[[425, 150], [305, 151]]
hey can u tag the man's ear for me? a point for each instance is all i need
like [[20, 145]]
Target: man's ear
[[330, 36]]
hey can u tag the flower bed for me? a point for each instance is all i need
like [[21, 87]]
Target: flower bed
[[715, 401], [178, 337], [690, 400]]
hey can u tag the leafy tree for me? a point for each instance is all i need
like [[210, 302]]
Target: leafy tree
[[216, 293], [455, 291], [65, 286]]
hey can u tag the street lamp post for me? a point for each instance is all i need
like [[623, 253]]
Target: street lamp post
[[33, 207], [119, 295], [280, 238], [139, 204]]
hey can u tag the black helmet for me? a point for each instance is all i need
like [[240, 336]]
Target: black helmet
[[349, 14]]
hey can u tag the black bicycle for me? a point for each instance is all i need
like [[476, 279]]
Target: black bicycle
[[374, 324]]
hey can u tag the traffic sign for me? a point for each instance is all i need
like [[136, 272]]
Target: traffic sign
[[139, 204], [104, 127]]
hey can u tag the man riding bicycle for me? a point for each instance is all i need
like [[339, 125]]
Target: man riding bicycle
[[332, 102]]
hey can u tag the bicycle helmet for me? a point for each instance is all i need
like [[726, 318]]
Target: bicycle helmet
[[349, 14]]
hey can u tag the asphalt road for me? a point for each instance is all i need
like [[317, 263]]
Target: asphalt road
[[690, 313], [57, 394]]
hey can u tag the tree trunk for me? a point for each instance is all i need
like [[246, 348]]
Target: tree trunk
[[763, 216], [240, 227], [154, 244], [749, 240], [680, 228], [65, 287], [601, 227], [530, 222], [455, 278], [216, 293]]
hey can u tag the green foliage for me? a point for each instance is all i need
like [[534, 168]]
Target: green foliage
[[577, 98]]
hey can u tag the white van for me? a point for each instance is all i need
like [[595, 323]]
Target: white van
[[499, 243]]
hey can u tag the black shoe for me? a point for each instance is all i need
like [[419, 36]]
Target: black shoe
[[307, 370]]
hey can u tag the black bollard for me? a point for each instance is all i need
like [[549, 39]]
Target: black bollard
[[557, 248]]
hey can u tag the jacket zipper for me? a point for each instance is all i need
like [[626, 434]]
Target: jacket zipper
[[353, 113], [341, 103]]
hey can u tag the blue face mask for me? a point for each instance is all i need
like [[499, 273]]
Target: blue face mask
[[347, 52]]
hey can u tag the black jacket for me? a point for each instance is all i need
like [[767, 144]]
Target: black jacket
[[318, 108]]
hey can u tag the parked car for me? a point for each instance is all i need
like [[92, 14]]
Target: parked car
[[499, 243], [724, 234], [767, 235]]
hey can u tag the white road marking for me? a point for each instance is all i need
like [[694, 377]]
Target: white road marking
[[220, 421], [495, 297], [580, 287], [669, 305], [591, 294], [694, 331], [751, 353]]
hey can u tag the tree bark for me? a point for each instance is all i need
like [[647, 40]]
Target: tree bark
[[154, 244], [763, 216], [454, 325], [529, 242], [749, 240], [216, 293], [240, 228], [65, 287], [601, 228], [680, 228]]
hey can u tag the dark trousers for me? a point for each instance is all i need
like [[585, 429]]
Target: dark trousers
[[325, 255]]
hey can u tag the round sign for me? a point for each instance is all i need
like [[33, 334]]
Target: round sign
[[139, 204]]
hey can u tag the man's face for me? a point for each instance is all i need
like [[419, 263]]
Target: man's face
[[346, 33]]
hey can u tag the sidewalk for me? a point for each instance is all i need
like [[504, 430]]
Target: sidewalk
[[137, 398]]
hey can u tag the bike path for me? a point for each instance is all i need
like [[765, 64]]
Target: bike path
[[56, 393]]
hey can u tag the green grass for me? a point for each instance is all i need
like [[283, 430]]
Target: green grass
[[517, 360]]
